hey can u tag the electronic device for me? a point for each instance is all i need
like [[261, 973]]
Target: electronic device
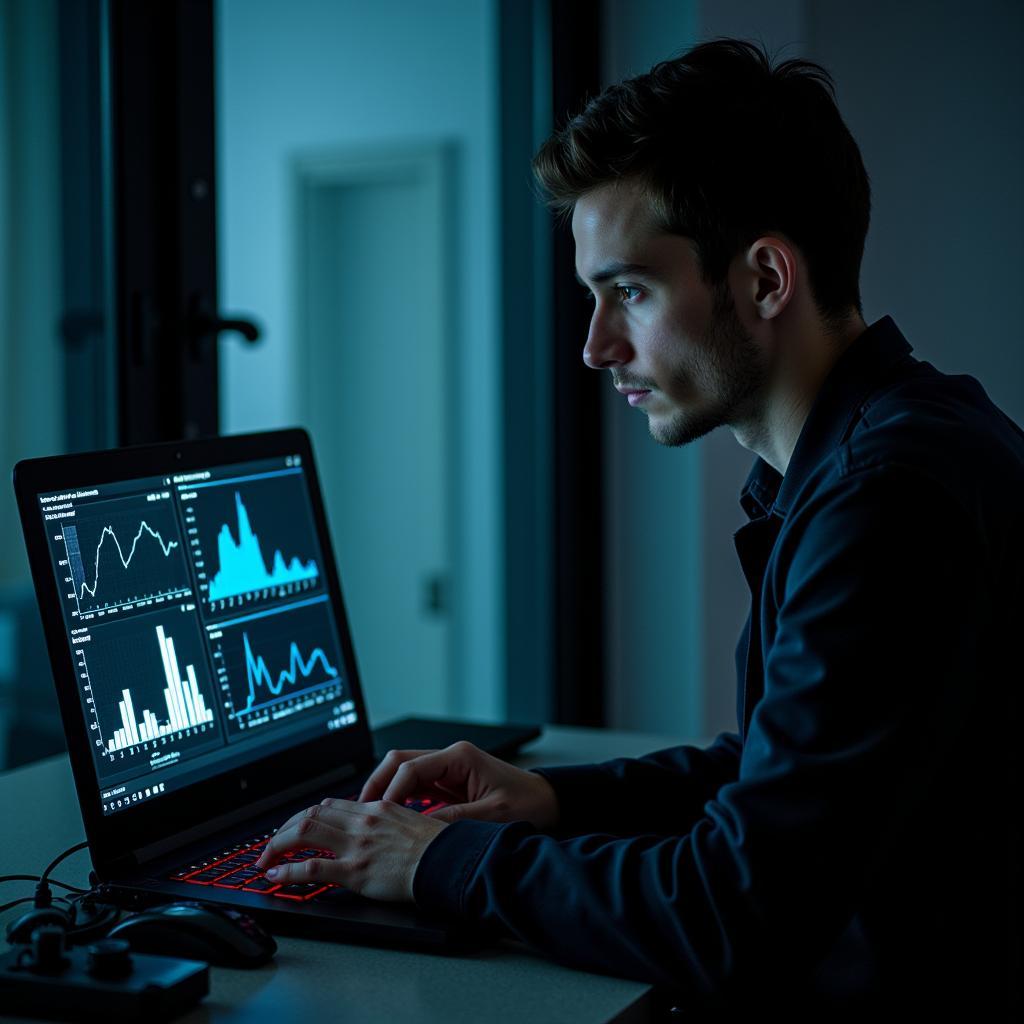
[[205, 672], [102, 981], [198, 931], [82, 919]]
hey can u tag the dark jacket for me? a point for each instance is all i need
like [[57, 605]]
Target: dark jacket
[[856, 843]]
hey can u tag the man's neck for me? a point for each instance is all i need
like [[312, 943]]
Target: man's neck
[[804, 363]]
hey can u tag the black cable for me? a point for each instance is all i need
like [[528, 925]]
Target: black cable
[[50, 881], [14, 903], [42, 897], [67, 853], [29, 899]]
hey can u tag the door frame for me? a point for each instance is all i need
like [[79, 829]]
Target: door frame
[[376, 164]]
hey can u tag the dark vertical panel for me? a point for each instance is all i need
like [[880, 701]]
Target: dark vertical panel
[[195, 200], [85, 322], [523, 56], [579, 519], [162, 146]]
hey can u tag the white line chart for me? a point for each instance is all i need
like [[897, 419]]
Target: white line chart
[[109, 532], [121, 557]]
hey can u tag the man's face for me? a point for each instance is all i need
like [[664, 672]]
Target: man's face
[[674, 348]]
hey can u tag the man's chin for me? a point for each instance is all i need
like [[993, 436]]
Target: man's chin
[[676, 431]]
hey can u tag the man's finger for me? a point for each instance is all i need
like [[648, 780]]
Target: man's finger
[[453, 812], [378, 782], [437, 768], [478, 810], [315, 869], [310, 830], [294, 819]]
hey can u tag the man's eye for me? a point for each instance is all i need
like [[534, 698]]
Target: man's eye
[[627, 292]]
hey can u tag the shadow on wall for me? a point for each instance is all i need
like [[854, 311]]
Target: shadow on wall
[[30, 722]]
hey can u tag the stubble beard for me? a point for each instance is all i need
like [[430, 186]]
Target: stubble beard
[[730, 375]]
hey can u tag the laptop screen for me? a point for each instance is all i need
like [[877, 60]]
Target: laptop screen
[[199, 621]]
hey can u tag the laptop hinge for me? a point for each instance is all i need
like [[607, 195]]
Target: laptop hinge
[[145, 854]]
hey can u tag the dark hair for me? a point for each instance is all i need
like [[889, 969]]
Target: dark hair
[[728, 148]]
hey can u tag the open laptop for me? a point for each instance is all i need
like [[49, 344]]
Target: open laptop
[[205, 673]]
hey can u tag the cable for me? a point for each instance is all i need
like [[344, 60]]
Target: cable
[[50, 881], [29, 899], [14, 903], [84, 920], [67, 853], [43, 898]]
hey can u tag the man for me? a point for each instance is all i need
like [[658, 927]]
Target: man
[[856, 843]]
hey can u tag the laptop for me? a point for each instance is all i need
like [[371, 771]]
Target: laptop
[[206, 676]]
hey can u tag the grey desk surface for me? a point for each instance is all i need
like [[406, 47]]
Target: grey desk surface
[[324, 980]]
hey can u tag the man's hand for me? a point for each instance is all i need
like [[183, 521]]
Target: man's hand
[[375, 847], [474, 784]]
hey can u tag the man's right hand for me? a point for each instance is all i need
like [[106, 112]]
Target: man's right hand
[[474, 784]]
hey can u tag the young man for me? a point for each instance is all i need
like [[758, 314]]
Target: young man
[[856, 842]]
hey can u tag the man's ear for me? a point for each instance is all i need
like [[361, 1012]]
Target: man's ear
[[772, 268]]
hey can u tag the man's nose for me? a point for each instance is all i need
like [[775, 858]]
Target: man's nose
[[606, 344]]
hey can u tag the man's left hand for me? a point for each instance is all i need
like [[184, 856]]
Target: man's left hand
[[376, 847]]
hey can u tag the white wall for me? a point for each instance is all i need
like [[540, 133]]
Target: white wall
[[312, 74]]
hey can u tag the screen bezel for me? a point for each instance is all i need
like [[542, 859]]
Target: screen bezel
[[113, 839]]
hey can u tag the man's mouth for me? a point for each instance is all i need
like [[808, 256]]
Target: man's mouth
[[634, 395]]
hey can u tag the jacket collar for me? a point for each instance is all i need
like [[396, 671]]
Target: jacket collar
[[839, 404]]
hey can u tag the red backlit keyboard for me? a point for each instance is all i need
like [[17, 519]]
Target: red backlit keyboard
[[233, 868]]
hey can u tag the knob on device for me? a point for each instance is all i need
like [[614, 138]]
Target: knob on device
[[109, 958], [46, 955]]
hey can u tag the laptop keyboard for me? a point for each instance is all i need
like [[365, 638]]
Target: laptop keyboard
[[233, 868]]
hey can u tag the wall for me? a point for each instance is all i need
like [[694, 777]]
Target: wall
[[316, 74], [936, 101], [32, 396], [31, 364]]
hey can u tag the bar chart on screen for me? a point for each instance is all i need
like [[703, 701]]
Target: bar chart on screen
[[185, 706], [161, 709]]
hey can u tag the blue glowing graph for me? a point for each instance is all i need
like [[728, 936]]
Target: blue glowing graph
[[243, 567], [259, 675]]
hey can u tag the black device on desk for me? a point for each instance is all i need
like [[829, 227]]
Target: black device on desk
[[105, 981], [205, 672], [197, 931]]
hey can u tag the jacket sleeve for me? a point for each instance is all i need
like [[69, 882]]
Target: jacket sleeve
[[660, 792], [859, 705]]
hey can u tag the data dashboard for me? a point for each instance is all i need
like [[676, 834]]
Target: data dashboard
[[199, 622]]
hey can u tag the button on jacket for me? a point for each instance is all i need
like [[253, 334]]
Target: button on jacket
[[856, 842]]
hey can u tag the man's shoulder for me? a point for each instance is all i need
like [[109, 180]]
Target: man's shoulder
[[940, 429], [925, 405]]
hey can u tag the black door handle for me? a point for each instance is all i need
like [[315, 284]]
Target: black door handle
[[202, 327], [205, 325]]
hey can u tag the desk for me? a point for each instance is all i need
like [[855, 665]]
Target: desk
[[311, 980]]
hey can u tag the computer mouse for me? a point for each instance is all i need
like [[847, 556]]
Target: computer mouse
[[198, 931]]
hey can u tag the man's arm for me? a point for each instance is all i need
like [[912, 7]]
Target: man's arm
[[859, 707], [664, 792]]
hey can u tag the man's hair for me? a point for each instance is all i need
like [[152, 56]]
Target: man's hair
[[728, 148]]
